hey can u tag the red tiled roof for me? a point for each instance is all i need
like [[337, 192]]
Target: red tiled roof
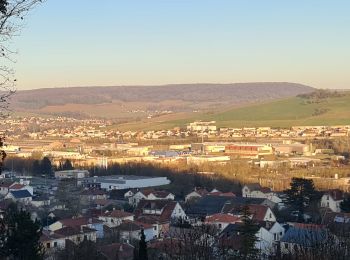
[[258, 211], [102, 202], [78, 222], [129, 225], [147, 192], [47, 236], [6, 184], [117, 251], [202, 192], [16, 186], [224, 194], [167, 207], [220, 217], [335, 194], [117, 214], [161, 194], [308, 226], [71, 231], [265, 190]]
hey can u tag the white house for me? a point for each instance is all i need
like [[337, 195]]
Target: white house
[[262, 213], [22, 196], [332, 199], [301, 237], [130, 230], [254, 190], [115, 217], [150, 195], [4, 188], [195, 194], [221, 220]]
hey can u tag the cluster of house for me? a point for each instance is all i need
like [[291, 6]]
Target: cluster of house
[[158, 214], [67, 128]]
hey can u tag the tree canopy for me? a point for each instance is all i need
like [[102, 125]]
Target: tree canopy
[[300, 195], [19, 235]]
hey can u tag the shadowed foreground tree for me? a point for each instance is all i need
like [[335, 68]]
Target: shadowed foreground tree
[[12, 13], [143, 255], [248, 238], [345, 205], [300, 195], [19, 235]]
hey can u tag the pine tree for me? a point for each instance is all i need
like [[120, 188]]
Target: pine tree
[[46, 167], [345, 205], [300, 195], [21, 236], [247, 234], [67, 165], [143, 247]]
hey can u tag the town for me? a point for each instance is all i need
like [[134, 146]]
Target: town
[[83, 183]]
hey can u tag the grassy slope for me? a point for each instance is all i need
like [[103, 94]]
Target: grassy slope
[[281, 113]]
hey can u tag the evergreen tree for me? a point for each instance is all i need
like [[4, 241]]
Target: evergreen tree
[[345, 205], [247, 234], [300, 195], [143, 247], [46, 167], [67, 165], [20, 235], [36, 167]]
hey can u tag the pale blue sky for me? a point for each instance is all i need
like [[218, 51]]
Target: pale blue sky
[[114, 42]]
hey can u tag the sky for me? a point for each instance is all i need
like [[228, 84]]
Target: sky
[[152, 42]]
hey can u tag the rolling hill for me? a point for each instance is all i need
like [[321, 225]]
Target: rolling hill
[[279, 113], [125, 103]]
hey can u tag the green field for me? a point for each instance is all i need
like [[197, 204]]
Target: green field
[[282, 113]]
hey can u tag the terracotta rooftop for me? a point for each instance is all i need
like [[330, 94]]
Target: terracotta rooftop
[[78, 222], [220, 217], [117, 251], [335, 194], [166, 207], [71, 231], [117, 214], [16, 186], [258, 211]]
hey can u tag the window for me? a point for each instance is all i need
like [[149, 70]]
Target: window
[[327, 197], [155, 227], [48, 245], [220, 225], [78, 239], [85, 237], [54, 244], [275, 236], [286, 245], [179, 210]]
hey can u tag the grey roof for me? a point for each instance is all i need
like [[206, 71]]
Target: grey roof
[[20, 194], [209, 204], [305, 236], [253, 186]]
